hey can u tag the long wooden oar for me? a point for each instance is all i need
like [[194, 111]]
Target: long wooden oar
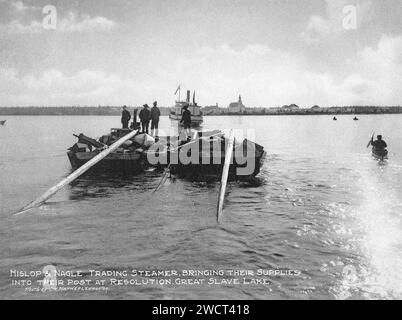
[[372, 138], [163, 180], [225, 175], [49, 193]]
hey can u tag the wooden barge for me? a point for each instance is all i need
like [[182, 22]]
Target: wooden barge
[[201, 157]]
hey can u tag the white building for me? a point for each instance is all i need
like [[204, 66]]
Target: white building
[[237, 107], [291, 107]]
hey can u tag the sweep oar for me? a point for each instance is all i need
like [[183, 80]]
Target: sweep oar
[[225, 174], [163, 180], [372, 138], [49, 193]]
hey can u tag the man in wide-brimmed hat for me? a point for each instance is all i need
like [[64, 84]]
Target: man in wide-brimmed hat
[[145, 116]]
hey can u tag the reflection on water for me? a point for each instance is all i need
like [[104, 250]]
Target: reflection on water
[[320, 205], [376, 233], [97, 185]]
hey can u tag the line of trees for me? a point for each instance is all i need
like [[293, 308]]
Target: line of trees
[[116, 111]]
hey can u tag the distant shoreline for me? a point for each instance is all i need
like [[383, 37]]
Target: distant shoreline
[[208, 115], [116, 111], [297, 114]]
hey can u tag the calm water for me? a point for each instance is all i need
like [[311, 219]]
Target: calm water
[[322, 205]]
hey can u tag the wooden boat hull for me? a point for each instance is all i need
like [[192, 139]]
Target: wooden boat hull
[[209, 167], [207, 163], [203, 172], [380, 154], [132, 163]]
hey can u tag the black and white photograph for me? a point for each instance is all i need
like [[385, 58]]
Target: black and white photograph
[[206, 150]]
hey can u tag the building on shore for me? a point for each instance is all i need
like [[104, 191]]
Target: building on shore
[[237, 107], [211, 109], [291, 107], [273, 110]]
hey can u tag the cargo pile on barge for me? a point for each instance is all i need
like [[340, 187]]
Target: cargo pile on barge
[[200, 157]]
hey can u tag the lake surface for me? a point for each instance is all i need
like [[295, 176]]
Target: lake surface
[[322, 205]]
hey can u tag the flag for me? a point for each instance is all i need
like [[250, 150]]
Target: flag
[[178, 88]]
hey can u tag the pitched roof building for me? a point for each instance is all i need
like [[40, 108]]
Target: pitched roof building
[[237, 107]]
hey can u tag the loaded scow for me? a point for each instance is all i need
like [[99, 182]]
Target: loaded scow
[[200, 158]]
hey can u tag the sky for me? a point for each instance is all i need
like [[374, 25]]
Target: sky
[[131, 52]]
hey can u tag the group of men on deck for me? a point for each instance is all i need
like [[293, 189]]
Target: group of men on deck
[[146, 116], [152, 115]]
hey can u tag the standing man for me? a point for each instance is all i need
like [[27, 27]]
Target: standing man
[[155, 114], [125, 117], [135, 125], [145, 116], [186, 121]]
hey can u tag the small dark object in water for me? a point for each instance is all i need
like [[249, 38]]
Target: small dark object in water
[[356, 119], [335, 119], [3, 122]]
